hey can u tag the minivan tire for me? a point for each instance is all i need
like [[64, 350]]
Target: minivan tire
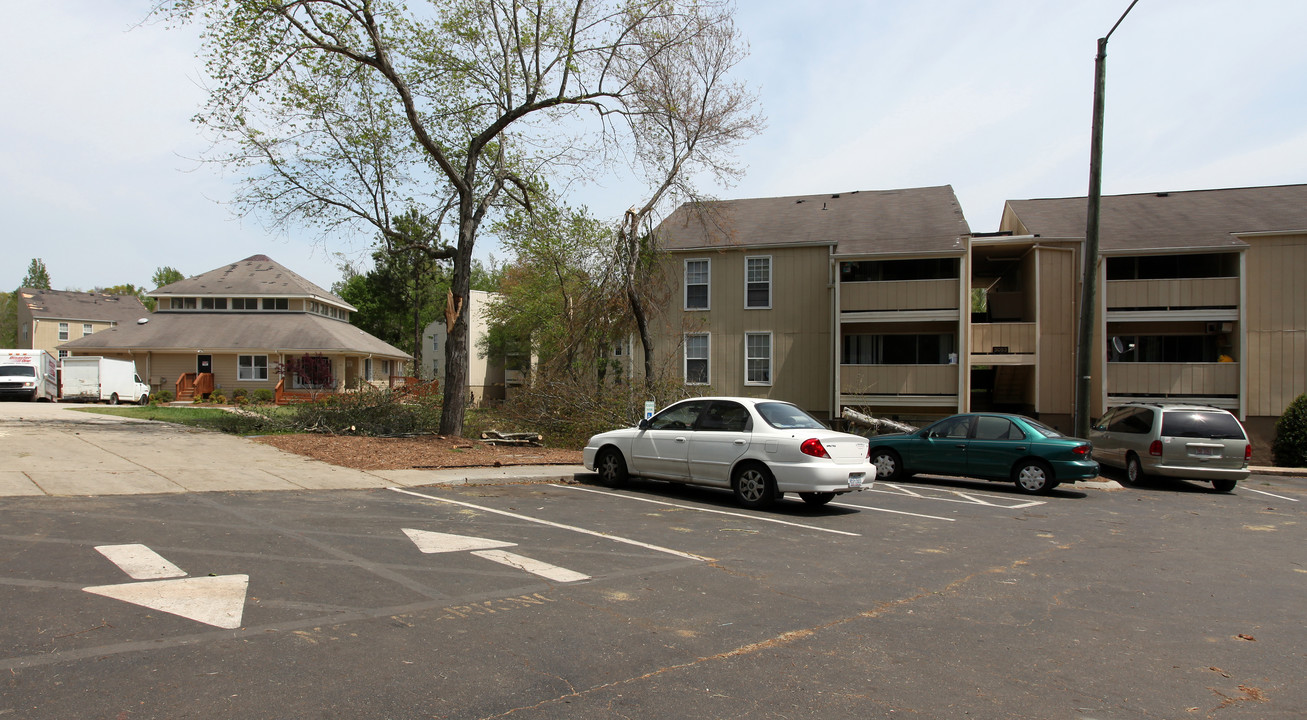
[[1223, 485], [1134, 470]]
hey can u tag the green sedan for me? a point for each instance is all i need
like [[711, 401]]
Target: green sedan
[[991, 446]]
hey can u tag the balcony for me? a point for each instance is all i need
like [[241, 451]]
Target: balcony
[[1158, 380], [893, 296], [1177, 294], [897, 380], [1010, 339]]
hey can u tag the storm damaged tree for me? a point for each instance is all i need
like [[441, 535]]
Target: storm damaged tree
[[342, 111], [687, 119]]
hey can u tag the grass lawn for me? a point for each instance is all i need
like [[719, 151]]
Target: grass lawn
[[202, 417]]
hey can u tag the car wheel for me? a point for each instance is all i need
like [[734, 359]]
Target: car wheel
[[145, 400], [889, 466], [113, 399], [1223, 485], [817, 498], [754, 486], [1134, 471], [611, 467], [1034, 477]]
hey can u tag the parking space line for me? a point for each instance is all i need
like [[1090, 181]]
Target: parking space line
[[895, 512], [970, 499], [711, 510], [1281, 497], [550, 523]]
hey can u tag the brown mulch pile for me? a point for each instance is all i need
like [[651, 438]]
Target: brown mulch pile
[[428, 451]]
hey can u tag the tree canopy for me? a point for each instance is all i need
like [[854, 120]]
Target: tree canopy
[[37, 277], [345, 111]]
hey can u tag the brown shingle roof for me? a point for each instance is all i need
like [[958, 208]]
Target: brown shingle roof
[[234, 331], [1200, 219], [255, 276], [81, 306], [910, 221]]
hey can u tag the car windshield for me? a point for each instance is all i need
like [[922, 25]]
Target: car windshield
[[17, 371], [1200, 424], [1041, 428], [784, 416]]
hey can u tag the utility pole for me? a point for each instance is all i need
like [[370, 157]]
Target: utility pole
[[1089, 285]]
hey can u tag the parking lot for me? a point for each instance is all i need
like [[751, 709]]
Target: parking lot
[[934, 597]]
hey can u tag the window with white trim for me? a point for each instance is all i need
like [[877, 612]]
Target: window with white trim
[[696, 284], [696, 358], [87, 329], [63, 331], [757, 282], [252, 367], [367, 369], [757, 358]]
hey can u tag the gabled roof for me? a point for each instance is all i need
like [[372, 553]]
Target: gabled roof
[[218, 332], [911, 221], [81, 306], [1197, 219], [255, 276]]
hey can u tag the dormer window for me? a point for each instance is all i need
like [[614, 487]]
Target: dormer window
[[213, 303], [276, 304]]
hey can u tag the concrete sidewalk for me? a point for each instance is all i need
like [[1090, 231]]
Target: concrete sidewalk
[[52, 449]]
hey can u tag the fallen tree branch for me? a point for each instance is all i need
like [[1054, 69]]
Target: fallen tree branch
[[877, 424]]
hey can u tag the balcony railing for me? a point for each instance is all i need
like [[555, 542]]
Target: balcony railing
[[1175, 294], [1003, 338], [899, 379], [1173, 379], [894, 295]]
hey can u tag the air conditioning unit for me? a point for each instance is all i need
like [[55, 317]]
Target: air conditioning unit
[[1219, 327]]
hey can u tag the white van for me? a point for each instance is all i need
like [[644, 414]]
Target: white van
[[28, 375], [96, 379]]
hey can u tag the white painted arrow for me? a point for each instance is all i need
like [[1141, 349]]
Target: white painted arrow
[[434, 542], [217, 601]]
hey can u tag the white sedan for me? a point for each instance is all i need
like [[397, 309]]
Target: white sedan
[[759, 448]]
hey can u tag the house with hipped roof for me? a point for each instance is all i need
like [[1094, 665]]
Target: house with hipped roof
[[49, 318], [251, 324], [887, 301]]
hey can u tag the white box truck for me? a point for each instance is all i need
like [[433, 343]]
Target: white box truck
[[98, 379], [28, 375]]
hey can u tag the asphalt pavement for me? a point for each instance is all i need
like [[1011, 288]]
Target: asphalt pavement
[[56, 450]]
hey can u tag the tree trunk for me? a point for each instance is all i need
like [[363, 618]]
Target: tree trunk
[[456, 346]]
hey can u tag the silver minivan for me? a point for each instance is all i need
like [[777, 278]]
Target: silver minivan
[[1193, 442]]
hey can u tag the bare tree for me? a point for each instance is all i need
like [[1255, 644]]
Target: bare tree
[[344, 109]]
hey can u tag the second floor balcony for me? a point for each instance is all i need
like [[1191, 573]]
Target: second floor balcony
[[900, 295], [1173, 294], [917, 380], [1003, 339], [1179, 380]]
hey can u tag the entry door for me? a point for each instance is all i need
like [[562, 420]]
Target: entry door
[[203, 363]]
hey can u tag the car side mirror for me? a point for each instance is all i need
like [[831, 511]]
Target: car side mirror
[[644, 423]]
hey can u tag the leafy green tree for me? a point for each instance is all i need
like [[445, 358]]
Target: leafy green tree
[[1290, 445], [166, 275], [9, 320], [37, 277], [341, 108]]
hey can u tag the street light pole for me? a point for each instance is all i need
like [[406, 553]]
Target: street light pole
[[1088, 287]]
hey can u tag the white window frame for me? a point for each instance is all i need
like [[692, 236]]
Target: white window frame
[[707, 358], [748, 359], [367, 369], [707, 284], [63, 331], [241, 375], [87, 329], [748, 282]]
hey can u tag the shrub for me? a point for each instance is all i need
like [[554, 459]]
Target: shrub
[[1290, 446], [240, 396], [163, 397], [217, 398], [371, 411], [264, 395], [567, 411]]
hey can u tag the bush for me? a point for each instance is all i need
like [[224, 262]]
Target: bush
[[567, 411], [264, 395], [370, 411], [1290, 446], [163, 397], [217, 398], [240, 396]]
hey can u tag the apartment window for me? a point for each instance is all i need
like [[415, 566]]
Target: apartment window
[[63, 331], [252, 367], [696, 285], [182, 303], [757, 282], [933, 349], [880, 270], [87, 329], [276, 304], [696, 359], [757, 358], [213, 303], [244, 303], [63, 353], [367, 369]]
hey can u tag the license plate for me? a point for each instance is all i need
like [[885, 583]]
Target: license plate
[[855, 479], [1205, 451]]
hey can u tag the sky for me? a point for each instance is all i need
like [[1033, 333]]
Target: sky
[[99, 161]]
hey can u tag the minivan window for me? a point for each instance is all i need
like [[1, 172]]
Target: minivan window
[[1137, 421], [1201, 424]]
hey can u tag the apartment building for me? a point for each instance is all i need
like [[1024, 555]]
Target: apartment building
[[887, 301]]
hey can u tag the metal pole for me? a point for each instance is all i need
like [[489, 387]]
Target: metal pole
[[1088, 290]]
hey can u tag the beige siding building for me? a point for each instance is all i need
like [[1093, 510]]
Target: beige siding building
[[886, 301], [236, 326], [49, 318], [490, 378]]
